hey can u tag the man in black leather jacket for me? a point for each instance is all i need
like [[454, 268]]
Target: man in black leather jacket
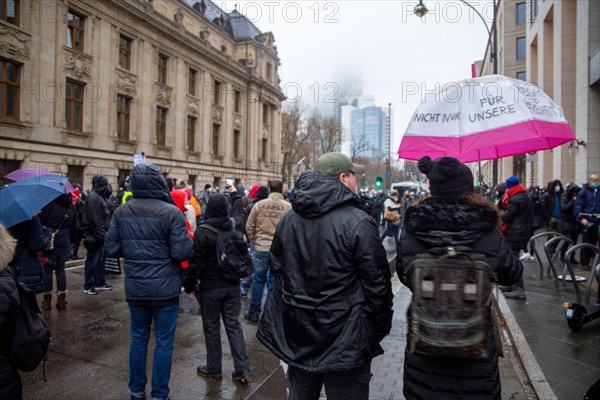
[[332, 302]]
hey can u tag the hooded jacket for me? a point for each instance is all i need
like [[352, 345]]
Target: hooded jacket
[[437, 222], [588, 201], [150, 233], [518, 217], [332, 302], [203, 265], [568, 221], [96, 214], [59, 216]]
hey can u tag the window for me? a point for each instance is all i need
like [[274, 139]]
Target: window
[[123, 175], [237, 102], [191, 133], [522, 75], [534, 10], [123, 104], [10, 89], [76, 31], [6, 167], [74, 105], [162, 69], [11, 11], [265, 114], [215, 139], [192, 81], [216, 93], [236, 144], [161, 126], [520, 13], [124, 52], [520, 48], [265, 144], [269, 71], [75, 174]]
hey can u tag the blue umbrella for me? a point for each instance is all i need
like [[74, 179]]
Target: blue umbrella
[[21, 200]]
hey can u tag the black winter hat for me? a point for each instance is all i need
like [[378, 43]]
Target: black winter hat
[[262, 193], [217, 206], [448, 177]]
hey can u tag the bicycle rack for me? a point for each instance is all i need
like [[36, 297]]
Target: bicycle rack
[[558, 240], [552, 235], [594, 272]]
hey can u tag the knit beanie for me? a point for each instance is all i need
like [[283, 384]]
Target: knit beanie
[[512, 181], [253, 191], [448, 177], [262, 193], [217, 206]]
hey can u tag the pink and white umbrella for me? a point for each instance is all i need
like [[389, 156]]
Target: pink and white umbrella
[[25, 173], [485, 118]]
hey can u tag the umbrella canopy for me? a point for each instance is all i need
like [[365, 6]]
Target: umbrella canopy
[[21, 200], [23, 173], [485, 118]]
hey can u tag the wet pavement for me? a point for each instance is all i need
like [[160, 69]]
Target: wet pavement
[[89, 351]]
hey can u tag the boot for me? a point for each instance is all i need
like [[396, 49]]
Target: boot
[[61, 301], [46, 304]]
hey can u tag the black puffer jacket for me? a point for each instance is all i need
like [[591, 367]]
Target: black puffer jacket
[[437, 222], [96, 213], [332, 303], [59, 216], [519, 220], [568, 221]]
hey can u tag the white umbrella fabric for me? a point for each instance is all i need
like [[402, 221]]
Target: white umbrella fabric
[[485, 118]]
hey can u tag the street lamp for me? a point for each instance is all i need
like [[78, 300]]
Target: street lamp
[[420, 10], [388, 172]]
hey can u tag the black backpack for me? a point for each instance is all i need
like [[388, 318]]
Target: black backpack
[[232, 253], [32, 337], [450, 313]]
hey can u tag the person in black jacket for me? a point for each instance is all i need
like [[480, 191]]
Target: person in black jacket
[[332, 301], [517, 226], [58, 215], [95, 223], [10, 381], [219, 297], [568, 222], [454, 215], [149, 232]]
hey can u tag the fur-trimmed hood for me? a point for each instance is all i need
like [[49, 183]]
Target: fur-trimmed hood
[[443, 222]]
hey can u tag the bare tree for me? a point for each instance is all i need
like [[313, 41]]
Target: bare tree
[[293, 138], [359, 145], [330, 135]]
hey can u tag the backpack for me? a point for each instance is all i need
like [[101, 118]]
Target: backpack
[[233, 258], [450, 313], [32, 337]]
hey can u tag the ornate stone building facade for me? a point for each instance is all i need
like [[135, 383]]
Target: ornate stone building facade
[[86, 84]]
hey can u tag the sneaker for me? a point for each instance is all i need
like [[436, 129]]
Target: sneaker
[[90, 291], [586, 267], [527, 257], [202, 370], [244, 293], [104, 287], [505, 289], [252, 317], [517, 294], [242, 378]]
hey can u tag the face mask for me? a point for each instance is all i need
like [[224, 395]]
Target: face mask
[[557, 189], [595, 185]]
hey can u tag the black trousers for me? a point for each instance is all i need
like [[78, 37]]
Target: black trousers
[[589, 235], [340, 385]]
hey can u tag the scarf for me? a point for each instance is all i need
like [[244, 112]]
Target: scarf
[[505, 199]]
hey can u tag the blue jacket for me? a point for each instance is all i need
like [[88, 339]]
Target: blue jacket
[[150, 233], [588, 201]]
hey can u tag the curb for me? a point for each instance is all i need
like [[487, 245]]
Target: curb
[[532, 368]]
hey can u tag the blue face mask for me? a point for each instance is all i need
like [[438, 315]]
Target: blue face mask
[[595, 185]]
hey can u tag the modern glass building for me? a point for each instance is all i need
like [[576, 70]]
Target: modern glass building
[[368, 131]]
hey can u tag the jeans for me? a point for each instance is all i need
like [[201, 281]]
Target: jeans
[[390, 230], [94, 269], [165, 321], [225, 302], [61, 276], [351, 384], [261, 276]]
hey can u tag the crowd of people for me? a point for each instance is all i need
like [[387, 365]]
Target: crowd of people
[[317, 251]]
